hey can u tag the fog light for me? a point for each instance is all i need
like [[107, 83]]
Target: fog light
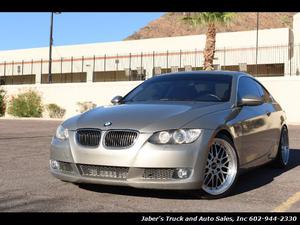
[[182, 173], [54, 164]]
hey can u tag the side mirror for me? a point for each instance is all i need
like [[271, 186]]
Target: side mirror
[[250, 101], [117, 100]]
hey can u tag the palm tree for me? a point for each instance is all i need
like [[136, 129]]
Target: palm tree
[[210, 19]]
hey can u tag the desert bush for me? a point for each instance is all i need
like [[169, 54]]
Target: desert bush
[[28, 104], [2, 102], [85, 106], [55, 111]]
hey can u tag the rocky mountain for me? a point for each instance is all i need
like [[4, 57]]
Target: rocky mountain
[[171, 24]]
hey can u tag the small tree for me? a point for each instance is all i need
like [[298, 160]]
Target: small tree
[[28, 104], [210, 19]]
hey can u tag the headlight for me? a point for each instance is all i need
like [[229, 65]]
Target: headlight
[[164, 137], [180, 136], [61, 133]]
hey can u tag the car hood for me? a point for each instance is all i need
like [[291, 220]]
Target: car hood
[[143, 116]]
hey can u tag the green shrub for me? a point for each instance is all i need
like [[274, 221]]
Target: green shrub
[[55, 111], [85, 106], [2, 102], [28, 104]]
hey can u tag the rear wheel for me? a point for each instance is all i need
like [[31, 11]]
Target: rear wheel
[[221, 170], [283, 154]]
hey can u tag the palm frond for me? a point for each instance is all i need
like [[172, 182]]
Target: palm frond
[[208, 18]]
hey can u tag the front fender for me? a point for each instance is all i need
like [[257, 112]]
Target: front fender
[[220, 121]]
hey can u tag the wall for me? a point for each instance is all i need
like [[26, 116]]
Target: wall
[[284, 89], [68, 95]]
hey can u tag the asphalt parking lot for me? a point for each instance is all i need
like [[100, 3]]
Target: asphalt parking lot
[[27, 185]]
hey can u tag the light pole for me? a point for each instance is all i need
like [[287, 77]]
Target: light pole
[[50, 47], [257, 24]]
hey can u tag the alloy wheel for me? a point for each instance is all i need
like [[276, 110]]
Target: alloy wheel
[[221, 168]]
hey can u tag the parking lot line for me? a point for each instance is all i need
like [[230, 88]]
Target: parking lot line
[[288, 203]]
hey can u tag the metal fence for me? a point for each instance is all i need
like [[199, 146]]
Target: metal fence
[[271, 61]]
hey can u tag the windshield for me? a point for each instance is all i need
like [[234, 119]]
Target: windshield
[[203, 88]]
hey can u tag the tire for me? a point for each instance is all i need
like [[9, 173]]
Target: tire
[[283, 153], [222, 168]]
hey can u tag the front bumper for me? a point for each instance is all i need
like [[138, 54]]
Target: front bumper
[[138, 159]]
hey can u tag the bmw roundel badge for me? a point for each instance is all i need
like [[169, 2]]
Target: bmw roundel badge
[[107, 124]]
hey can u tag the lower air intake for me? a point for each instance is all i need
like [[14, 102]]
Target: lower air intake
[[159, 174], [109, 172]]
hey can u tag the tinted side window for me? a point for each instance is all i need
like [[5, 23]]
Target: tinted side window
[[264, 93], [267, 97], [248, 87]]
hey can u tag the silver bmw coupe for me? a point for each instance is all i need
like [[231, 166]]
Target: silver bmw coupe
[[189, 130]]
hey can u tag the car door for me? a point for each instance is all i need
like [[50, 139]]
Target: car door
[[274, 113], [255, 124]]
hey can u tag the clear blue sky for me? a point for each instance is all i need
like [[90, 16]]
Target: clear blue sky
[[30, 30]]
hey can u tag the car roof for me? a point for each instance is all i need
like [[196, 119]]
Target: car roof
[[203, 72]]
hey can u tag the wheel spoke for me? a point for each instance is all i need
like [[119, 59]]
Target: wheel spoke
[[210, 179], [224, 157], [211, 155], [205, 178], [218, 151], [227, 161], [222, 175], [213, 181], [223, 153], [220, 179]]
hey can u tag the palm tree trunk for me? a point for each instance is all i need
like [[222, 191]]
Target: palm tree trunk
[[209, 51]]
